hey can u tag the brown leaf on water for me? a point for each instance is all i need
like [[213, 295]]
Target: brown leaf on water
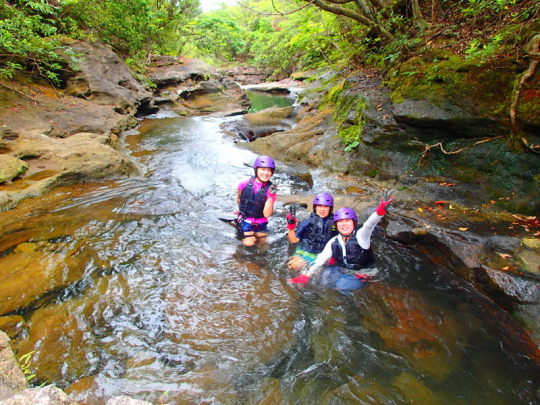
[[506, 268], [445, 184]]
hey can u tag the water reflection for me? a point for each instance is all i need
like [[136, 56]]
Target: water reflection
[[146, 293]]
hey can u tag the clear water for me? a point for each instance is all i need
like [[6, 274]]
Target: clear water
[[169, 307], [260, 100]]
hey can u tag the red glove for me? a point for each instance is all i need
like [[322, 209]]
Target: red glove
[[381, 209], [301, 279], [331, 261], [291, 221]]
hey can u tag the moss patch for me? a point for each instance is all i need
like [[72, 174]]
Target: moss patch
[[484, 89]]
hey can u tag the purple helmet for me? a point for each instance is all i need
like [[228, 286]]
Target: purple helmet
[[264, 161], [345, 213], [323, 199]]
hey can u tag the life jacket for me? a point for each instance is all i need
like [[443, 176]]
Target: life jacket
[[318, 232], [356, 257], [252, 204]]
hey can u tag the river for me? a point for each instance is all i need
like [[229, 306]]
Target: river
[[161, 302]]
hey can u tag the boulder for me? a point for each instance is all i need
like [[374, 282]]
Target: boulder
[[11, 376], [125, 400], [103, 78], [49, 395], [163, 74], [261, 124], [11, 167]]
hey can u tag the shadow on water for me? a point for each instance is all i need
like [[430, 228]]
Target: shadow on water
[[147, 293]]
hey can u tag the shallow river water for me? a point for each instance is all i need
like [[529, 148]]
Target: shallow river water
[[164, 304]]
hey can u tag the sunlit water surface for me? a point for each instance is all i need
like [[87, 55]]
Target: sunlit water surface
[[170, 308]]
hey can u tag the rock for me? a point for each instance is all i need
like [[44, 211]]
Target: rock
[[49, 395], [11, 167], [247, 74], [101, 77], [11, 376], [284, 86], [427, 120], [65, 342], [125, 400], [269, 116], [407, 323], [415, 391], [12, 325], [172, 74], [260, 124], [80, 157], [508, 287]]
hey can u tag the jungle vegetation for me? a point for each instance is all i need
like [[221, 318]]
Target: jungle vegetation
[[282, 35]]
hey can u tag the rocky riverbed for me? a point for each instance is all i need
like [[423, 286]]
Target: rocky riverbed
[[54, 137]]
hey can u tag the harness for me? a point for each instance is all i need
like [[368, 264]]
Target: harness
[[252, 204], [355, 258], [318, 232]]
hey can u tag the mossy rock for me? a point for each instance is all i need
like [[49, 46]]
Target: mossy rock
[[482, 89], [11, 167]]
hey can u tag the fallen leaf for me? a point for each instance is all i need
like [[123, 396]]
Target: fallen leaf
[[420, 209], [493, 202], [441, 202], [463, 229], [451, 207], [506, 268], [504, 255]]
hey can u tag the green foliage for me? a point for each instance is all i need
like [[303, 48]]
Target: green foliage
[[25, 365], [483, 51], [30, 37], [348, 114], [130, 26], [483, 8], [218, 35]]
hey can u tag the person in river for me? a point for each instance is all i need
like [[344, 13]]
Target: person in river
[[256, 197], [313, 233], [349, 253]]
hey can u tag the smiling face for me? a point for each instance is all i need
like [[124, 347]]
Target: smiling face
[[345, 226], [322, 210], [264, 174]]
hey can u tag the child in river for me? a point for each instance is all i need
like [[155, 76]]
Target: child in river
[[349, 252], [313, 233], [256, 197]]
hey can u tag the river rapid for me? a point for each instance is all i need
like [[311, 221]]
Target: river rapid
[[158, 299]]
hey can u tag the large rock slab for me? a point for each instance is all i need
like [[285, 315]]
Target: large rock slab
[[103, 78], [57, 161], [178, 71]]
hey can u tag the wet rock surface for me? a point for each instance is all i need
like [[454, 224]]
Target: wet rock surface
[[260, 124]]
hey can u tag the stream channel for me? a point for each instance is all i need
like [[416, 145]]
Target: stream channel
[[164, 304]]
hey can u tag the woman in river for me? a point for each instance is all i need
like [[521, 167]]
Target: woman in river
[[349, 252], [256, 197], [313, 233]]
